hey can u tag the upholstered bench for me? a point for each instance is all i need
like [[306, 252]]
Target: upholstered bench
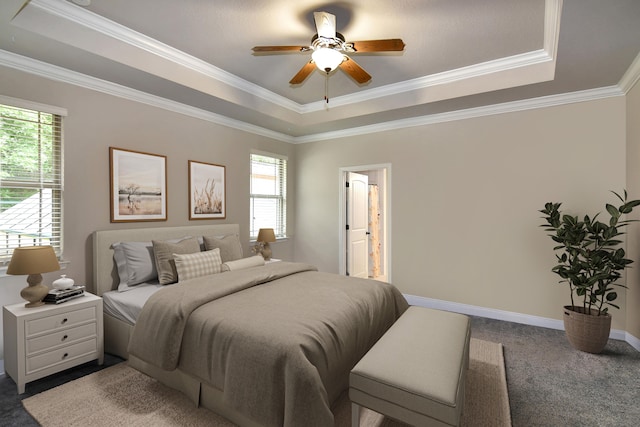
[[416, 372]]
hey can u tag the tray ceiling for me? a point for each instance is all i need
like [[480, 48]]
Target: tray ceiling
[[195, 56]]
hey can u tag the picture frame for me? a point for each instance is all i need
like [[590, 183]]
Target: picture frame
[[138, 186], [207, 191]]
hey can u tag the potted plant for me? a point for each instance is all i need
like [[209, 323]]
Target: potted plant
[[591, 261]]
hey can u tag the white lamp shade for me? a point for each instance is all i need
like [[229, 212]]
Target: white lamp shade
[[327, 59]]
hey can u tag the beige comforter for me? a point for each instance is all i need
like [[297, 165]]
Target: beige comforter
[[279, 340]]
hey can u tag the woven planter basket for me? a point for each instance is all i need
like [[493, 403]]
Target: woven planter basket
[[586, 332]]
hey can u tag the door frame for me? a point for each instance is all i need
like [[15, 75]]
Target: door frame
[[342, 217]]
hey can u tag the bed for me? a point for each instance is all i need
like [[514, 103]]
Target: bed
[[267, 345]]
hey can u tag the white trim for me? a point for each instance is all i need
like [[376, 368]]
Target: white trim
[[122, 34], [631, 76], [446, 77], [342, 221], [552, 13], [508, 316], [56, 73], [489, 110], [633, 341], [269, 154], [72, 16], [53, 72], [31, 105]]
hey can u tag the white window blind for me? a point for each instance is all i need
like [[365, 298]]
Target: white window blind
[[30, 179], [268, 194]]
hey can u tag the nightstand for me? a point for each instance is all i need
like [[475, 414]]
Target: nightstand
[[44, 340]]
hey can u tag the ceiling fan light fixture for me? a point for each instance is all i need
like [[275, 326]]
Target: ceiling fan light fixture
[[327, 59]]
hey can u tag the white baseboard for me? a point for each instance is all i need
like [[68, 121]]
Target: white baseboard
[[509, 316], [633, 341]]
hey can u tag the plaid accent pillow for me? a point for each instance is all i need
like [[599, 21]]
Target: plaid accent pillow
[[190, 266]]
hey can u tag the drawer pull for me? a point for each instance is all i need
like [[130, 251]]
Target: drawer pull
[[64, 320], [64, 337], [64, 356]]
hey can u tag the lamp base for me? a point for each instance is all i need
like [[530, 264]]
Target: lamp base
[[266, 251], [35, 292]]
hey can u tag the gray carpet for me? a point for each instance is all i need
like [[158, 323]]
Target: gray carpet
[[550, 384]]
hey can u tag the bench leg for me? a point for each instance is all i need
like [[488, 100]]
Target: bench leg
[[355, 415]]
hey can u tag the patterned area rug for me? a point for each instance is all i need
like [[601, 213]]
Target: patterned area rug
[[121, 396]]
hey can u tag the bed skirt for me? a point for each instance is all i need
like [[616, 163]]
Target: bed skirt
[[201, 394]]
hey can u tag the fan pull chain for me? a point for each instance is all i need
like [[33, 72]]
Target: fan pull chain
[[326, 88]]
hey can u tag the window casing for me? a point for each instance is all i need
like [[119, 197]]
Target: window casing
[[30, 179], [268, 197]]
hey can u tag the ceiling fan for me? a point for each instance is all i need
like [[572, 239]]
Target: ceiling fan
[[328, 49]]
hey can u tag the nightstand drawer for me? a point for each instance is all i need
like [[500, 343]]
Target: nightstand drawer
[[61, 337], [51, 323], [61, 355]]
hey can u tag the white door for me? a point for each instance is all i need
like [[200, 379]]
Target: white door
[[357, 225]]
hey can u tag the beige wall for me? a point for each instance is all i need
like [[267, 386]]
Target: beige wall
[[465, 194], [97, 121], [465, 200], [633, 185]]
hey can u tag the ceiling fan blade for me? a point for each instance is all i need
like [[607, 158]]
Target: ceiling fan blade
[[303, 73], [325, 24], [358, 73], [267, 49], [387, 45]]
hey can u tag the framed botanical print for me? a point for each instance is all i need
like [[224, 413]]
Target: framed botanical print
[[138, 186], [207, 191]]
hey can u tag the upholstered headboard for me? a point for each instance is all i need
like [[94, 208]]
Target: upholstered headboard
[[105, 275]]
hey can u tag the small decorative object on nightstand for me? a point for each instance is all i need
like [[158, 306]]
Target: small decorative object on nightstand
[[63, 283], [266, 235], [33, 260], [41, 341]]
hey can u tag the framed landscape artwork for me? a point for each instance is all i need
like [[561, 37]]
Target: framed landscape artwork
[[207, 191], [138, 186]]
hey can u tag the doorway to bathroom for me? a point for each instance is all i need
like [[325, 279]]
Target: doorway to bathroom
[[365, 221]]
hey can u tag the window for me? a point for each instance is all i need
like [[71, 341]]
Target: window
[[268, 194], [30, 179]]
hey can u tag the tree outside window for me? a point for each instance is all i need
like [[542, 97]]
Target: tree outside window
[[30, 179]]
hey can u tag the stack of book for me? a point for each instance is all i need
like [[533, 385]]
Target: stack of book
[[57, 296]]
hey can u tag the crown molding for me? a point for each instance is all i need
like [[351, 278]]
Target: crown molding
[[552, 14], [53, 72], [60, 74], [508, 107], [89, 20], [451, 76], [631, 76], [551, 33]]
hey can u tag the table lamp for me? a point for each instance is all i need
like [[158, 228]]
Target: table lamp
[[33, 260], [266, 235]]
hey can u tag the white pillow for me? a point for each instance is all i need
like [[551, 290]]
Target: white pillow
[[239, 264], [190, 266]]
